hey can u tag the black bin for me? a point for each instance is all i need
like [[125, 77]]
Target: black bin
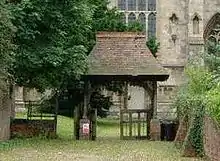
[[168, 130]]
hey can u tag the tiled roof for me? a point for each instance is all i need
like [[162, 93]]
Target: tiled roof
[[123, 53]]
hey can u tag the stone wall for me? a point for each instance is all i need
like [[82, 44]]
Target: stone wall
[[23, 94], [172, 31], [30, 128], [212, 139], [211, 7]]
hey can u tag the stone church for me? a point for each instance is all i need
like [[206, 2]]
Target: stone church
[[181, 27]]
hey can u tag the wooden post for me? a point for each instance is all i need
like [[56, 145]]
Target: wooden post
[[76, 121], [12, 99], [148, 125], [56, 113], [121, 125], [85, 99], [130, 125], [93, 123], [126, 95], [125, 107], [139, 125], [149, 92], [85, 122], [154, 99]]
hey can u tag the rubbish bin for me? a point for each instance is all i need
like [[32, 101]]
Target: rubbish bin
[[168, 130]]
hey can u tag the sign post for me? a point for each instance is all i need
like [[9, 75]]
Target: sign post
[[85, 129]]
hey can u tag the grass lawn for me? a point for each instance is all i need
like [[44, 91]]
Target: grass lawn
[[108, 147]]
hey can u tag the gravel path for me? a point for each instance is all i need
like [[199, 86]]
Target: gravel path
[[111, 150]]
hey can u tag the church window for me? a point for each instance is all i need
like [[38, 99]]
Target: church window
[[141, 10], [151, 5], [131, 17], [123, 18], [122, 4], [131, 5], [196, 25], [142, 20], [151, 25], [141, 5]]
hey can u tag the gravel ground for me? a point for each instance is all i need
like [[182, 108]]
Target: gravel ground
[[107, 147], [101, 150]]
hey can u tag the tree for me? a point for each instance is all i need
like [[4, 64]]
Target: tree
[[6, 40], [53, 38], [6, 57]]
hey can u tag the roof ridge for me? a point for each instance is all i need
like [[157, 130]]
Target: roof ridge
[[106, 34]]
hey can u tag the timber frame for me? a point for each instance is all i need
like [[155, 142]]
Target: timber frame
[[122, 57]]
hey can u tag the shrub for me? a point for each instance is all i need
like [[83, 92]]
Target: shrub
[[191, 102]]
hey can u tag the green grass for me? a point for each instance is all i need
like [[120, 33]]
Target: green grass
[[107, 147]]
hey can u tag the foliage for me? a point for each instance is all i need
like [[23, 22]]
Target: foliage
[[213, 102], [212, 61], [7, 46], [68, 102], [101, 103], [195, 131], [191, 102], [201, 95], [212, 56], [153, 45], [53, 38]]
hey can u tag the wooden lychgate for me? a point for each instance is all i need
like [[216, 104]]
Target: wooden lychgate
[[134, 124]]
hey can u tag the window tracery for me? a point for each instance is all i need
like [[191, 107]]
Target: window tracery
[[122, 4], [131, 5], [131, 17], [143, 10], [152, 25], [142, 19]]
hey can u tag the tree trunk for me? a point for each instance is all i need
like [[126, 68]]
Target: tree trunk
[[5, 113], [12, 100]]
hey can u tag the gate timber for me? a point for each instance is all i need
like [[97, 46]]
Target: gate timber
[[134, 124], [124, 57]]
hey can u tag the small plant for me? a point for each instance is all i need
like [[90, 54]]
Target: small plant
[[153, 45]]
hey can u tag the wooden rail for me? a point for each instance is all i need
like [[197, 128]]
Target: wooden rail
[[134, 123]]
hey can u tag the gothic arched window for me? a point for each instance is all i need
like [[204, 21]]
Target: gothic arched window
[[142, 19], [123, 18], [196, 25], [151, 25], [131, 17], [151, 5], [131, 5], [122, 4], [212, 24], [142, 5]]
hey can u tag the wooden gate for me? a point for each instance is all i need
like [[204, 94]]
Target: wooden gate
[[134, 124]]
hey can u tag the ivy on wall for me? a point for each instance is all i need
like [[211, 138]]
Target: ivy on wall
[[191, 102]]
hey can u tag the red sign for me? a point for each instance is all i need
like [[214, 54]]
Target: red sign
[[86, 128]]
